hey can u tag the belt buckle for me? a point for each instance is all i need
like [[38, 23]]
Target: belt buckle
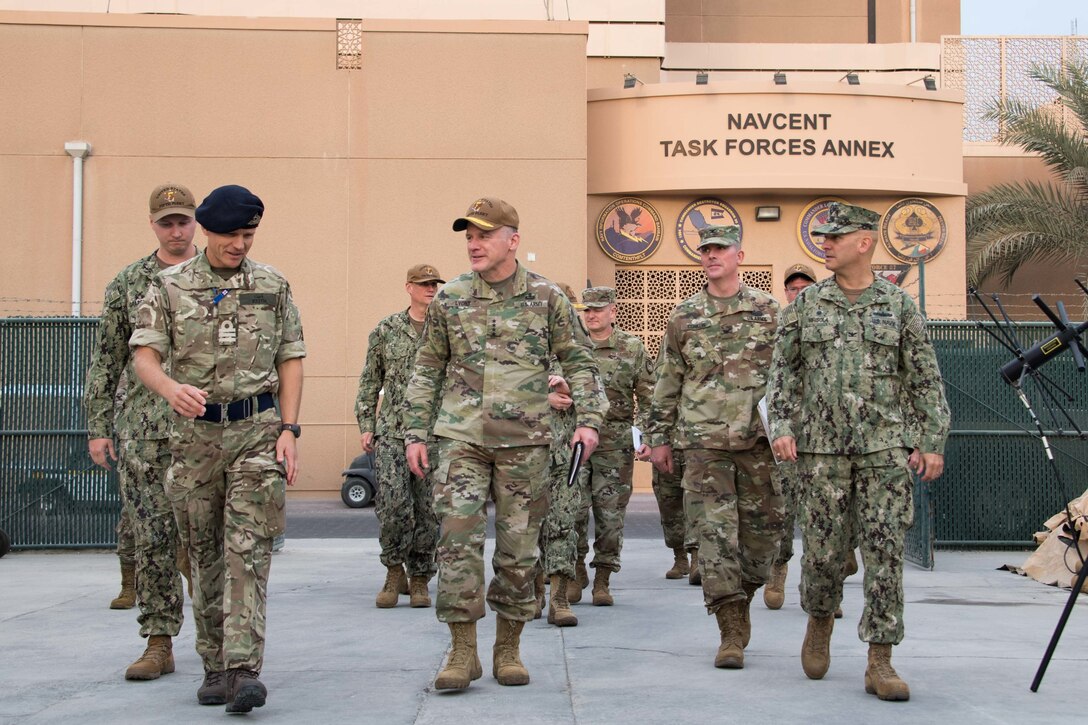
[[247, 408]]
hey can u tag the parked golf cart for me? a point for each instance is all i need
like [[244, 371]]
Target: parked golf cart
[[360, 483]]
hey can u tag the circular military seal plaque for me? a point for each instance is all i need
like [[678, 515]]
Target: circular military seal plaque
[[811, 217], [698, 215], [913, 231], [629, 230]]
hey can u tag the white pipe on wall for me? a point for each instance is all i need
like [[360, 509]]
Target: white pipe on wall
[[78, 150]]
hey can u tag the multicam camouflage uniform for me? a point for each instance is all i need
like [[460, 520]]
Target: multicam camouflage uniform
[[404, 506], [856, 384], [226, 474], [669, 492], [627, 376], [140, 419], [717, 352], [488, 357]]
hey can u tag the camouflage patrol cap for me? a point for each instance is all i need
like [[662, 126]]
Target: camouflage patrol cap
[[846, 218], [424, 273], [569, 292], [169, 199], [724, 236], [598, 297], [800, 270], [487, 212]]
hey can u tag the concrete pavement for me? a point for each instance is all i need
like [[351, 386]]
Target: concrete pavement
[[975, 636]]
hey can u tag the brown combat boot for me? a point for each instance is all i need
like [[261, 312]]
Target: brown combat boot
[[816, 650], [559, 612], [695, 576], [185, 568], [417, 589], [157, 659], [838, 612], [731, 652], [774, 594], [578, 583], [850, 563], [538, 592], [680, 568], [601, 596], [396, 583], [127, 597], [880, 677], [213, 690], [750, 589], [244, 690], [463, 663], [507, 668]]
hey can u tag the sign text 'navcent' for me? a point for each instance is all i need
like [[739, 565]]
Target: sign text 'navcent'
[[802, 146]]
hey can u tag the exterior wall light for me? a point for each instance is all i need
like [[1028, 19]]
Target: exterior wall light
[[768, 213], [780, 78]]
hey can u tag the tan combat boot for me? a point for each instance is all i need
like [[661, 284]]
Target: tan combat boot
[[507, 667], [578, 583], [538, 592], [127, 597], [463, 663], [417, 589], [680, 568], [695, 576], [880, 677], [559, 612], [396, 583], [816, 650], [750, 589], [185, 568], [157, 659], [731, 652], [774, 594], [601, 596]]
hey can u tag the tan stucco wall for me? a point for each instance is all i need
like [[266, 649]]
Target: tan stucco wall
[[361, 171]]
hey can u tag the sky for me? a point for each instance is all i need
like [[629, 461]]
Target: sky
[[1023, 17]]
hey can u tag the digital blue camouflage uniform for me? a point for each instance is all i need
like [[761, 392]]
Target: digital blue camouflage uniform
[[404, 505], [856, 385], [627, 377], [488, 356], [227, 337], [717, 354], [140, 420]]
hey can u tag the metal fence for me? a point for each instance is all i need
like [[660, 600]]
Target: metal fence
[[997, 489], [51, 494]]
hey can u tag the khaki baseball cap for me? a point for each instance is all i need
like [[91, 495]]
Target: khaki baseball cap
[[800, 270], [569, 292], [724, 236], [170, 199], [424, 273], [846, 218], [598, 297], [488, 212]]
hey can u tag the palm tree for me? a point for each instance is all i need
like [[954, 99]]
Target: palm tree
[[1014, 223]]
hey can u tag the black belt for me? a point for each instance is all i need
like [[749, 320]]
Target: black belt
[[237, 410]]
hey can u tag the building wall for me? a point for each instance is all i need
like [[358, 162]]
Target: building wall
[[361, 171]]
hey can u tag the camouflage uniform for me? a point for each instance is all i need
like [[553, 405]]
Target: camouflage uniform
[[627, 375], [488, 358], [559, 533], [226, 474], [404, 506], [856, 385], [140, 420], [717, 352], [126, 541], [669, 492]]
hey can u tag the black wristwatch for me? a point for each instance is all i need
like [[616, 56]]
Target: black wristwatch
[[293, 427]]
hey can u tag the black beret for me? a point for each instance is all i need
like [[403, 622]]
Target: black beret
[[228, 208]]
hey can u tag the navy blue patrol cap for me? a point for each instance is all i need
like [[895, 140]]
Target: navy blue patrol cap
[[228, 208]]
